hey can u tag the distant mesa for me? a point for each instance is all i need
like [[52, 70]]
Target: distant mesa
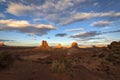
[[2, 44], [74, 45], [59, 46]]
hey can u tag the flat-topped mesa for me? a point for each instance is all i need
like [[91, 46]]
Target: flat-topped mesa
[[74, 45], [59, 46], [44, 44]]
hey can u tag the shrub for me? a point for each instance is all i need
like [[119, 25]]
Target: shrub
[[63, 66], [6, 59]]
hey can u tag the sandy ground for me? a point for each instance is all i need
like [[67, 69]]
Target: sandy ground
[[28, 70]]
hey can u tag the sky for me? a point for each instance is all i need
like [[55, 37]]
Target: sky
[[87, 22]]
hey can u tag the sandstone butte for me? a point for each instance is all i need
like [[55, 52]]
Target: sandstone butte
[[74, 45], [45, 45], [59, 46]]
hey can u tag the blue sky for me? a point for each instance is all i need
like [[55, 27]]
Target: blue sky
[[88, 22]]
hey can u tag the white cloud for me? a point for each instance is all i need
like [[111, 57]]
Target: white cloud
[[84, 16], [61, 11], [76, 17], [24, 26], [18, 8], [49, 6], [46, 10], [24, 23], [45, 26], [36, 19], [15, 23], [76, 29], [101, 23]]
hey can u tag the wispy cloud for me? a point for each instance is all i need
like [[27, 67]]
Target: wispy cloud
[[40, 26], [85, 34], [101, 23], [6, 40], [91, 38], [75, 29], [111, 32], [61, 11], [91, 34], [85, 16], [19, 8], [48, 6], [61, 35]]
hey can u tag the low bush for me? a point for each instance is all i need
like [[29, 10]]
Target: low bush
[[63, 66]]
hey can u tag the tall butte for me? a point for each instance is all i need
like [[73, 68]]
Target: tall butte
[[44, 45]]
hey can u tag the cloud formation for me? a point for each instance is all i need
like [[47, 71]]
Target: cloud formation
[[15, 23], [75, 29], [61, 11], [111, 32], [40, 26], [91, 34], [85, 16], [85, 34], [101, 23], [61, 35], [25, 27]]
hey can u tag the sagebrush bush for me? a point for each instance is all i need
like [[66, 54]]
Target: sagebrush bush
[[63, 66], [6, 59]]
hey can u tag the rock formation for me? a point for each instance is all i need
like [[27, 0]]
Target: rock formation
[[59, 46], [74, 45], [114, 45], [44, 44], [2, 44]]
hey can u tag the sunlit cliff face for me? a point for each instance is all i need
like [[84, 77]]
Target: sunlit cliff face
[[1, 43], [74, 45], [59, 46]]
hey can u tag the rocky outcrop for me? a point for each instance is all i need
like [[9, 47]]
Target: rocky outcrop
[[114, 45], [44, 44], [59, 46], [74, 45]]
